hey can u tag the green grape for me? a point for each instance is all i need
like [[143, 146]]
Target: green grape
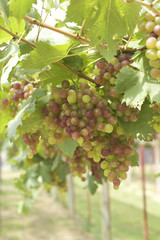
[[104, 164], [86, 98], [150, 26], [72, 99], [96, 71], [151, 54], [151, 42], [108, 128]]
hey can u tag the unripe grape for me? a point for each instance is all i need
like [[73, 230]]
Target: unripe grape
[[108, 128], [155, 73], [104, 164], [141, 26], [151, 42], [17, 86], [101, 64], [149, 17], [157, 30], [84, 86], [107, 75], [65, 84], [96, 158], [157, 19], [96, 71], [72, 99], [150, 26], [123, 175], [86, 98], [151, 54], [106, 172]]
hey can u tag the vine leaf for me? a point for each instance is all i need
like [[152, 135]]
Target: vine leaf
[[27, 108], [56, 75], [68, 147], [5, 37], [136, 86], [19, 8], [102, 19], [92, 186], [135, 160], [12, 50], [141, 128], [35, 120], [44, 54]]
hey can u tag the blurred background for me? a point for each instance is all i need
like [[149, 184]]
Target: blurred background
[[131, 213]]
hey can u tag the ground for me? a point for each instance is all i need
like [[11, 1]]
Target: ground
[[48, 219]]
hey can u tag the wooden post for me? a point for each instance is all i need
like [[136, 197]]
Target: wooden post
[[106, 216], [156, 147], [89, 207], [142, 161], [54, 192], [71, 195]]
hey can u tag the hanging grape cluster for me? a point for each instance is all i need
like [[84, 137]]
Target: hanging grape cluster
[[151, 25], [18, 92]]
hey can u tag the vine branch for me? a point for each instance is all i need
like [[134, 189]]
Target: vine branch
[[16, 36], [80, 74], [71, 35]]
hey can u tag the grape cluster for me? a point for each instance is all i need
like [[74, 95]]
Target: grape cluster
[[87, 117], [31, 140], [18, 92], [151, 25], [106, 75]]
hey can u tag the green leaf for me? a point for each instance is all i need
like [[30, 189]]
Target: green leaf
[[141, 128], [45, 173], [63, 170], [27, 108], [4, 119], [12, 50], [5, 78], [44, 54], [135, 160], [35, 121], [19, 8], [56, 75], [4, 9], [104, 20], [5, 37], [56, 162], [68, 147], [92, 186], [74, 62], [18, 27], [136, 86]]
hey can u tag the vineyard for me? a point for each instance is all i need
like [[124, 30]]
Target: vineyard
[[79, 90]]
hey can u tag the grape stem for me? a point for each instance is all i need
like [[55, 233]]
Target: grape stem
[[16, 36], [80, 74], [145, 5], [71, 35], [155, 2]]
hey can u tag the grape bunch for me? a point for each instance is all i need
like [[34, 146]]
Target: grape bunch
[[151, 25], [105, 74], [86, 116], [18, 92], [31, 140]]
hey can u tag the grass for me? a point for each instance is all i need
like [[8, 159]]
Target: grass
[[126, 209], [46, 221]]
